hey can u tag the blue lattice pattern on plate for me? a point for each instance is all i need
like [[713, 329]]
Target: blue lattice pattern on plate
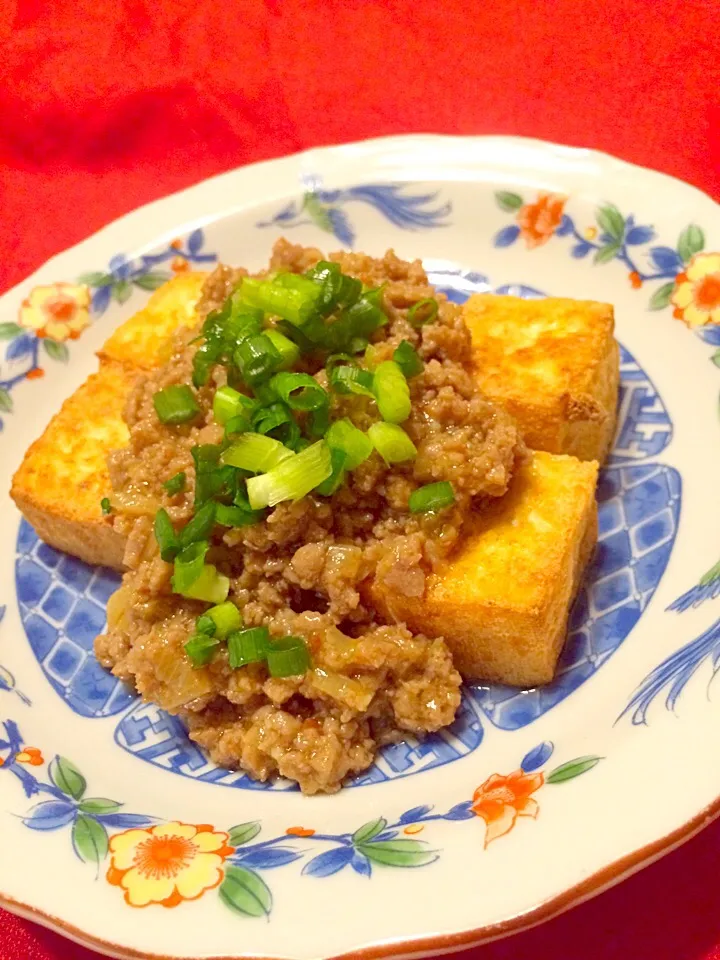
[[639, 509], [644, 427], [62, 606], [149, 733]]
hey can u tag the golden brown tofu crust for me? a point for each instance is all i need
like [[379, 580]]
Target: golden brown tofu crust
[[502, 602], [554, 364], [64, 476]]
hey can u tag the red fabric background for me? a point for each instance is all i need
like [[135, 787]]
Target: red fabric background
[[107, 104]]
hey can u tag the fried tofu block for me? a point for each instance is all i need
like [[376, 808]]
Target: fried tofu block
[[502, 601], [63, 476], [141, 340], [554, 364]]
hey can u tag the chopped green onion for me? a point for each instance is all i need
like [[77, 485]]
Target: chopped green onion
[[235, 516], [226, 618], [391, 442], [391, 392], [328, 487], [201, 525], [206, 356], [337, 289], [256, 358], [210, 586], [227, 403], [175, 405], [106, 506], [299, 390], [196, 579], [206, 456], [248, 646], [206, 625], [215, 481], [176, 484], [408, 359], [266, 419], [201, 649], [297, 335], [294, 300], [344, 435], [293, 478], [432, 497], [358, 344], [318, 423], [289, 351], [365, 316], [352, 379], [288, 657], [422, 312], [256, 453], [165, 535]]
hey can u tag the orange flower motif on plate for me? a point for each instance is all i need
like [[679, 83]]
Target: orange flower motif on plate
[[167, 864], [696, 296], [60, 311], [502, 799], [539, 221]]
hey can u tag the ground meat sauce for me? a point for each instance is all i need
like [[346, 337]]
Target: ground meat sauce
[[301, 571]]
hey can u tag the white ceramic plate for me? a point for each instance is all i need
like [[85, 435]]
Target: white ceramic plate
[[534, 800]]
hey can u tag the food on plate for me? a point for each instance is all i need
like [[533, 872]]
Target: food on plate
[[317, 505], [64, 474], [502, 599], [553, 364]]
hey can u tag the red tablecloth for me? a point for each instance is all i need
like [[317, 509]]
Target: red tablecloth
[[107, 104]]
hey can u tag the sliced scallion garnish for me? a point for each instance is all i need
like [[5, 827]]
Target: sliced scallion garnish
[[299, 391], [422, 312], [167, 540], [344, 435], [201, 649], [255, 453], [432, 497], [288, 657], [248, 646], [391, 442], [391, 392], [292, 479], [176, 484], [175, 405], [408, 359], [226, 618]]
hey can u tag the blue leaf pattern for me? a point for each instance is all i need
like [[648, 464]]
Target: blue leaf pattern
[[123, 820], [580, 250], [329, 862], [101, 300], [666, 259], [361, 864], [566, 226], [21, 346], [461, 811], [638, 235], [50, 815], [341, 226], [710, 334], [537, 757], [267, 858], [416, 813], [195, 241], [119, 267], [506, 236]]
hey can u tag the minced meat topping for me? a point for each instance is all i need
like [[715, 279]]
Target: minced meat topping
[[300, 567]]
